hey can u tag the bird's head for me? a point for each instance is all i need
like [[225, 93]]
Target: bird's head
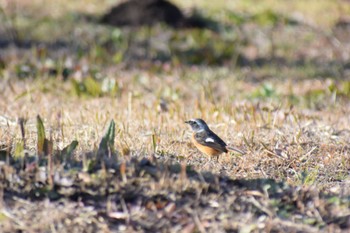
[[197, 124]]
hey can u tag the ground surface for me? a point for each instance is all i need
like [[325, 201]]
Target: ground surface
[[271, 78]]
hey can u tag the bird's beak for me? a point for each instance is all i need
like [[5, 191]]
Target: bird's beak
[[187, 122]]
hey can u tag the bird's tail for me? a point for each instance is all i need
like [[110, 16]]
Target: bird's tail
[[231, 148]]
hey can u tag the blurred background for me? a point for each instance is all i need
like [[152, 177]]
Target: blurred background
[[269, 76], [60, 34]]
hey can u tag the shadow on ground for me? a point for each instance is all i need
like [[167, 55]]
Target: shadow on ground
[[154, 196]]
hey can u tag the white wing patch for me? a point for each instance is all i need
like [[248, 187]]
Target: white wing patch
[[209, 140]]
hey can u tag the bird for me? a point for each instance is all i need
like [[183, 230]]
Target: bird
[[207, 141]]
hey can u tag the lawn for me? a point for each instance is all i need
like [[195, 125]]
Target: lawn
[[92, 132]]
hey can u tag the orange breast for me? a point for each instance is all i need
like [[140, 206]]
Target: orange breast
[[205, 149]]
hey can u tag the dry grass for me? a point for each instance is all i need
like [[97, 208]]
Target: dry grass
[[314, 151], [311, 139], [290, 113]]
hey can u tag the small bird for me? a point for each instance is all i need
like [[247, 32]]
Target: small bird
[[207, 141]]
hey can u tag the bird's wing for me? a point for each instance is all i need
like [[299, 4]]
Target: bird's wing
[[211, 139]]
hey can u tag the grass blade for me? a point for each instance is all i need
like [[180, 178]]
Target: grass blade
[[41, 135], [107, 142]]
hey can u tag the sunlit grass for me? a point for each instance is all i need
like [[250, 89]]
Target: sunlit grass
[[308, 11]]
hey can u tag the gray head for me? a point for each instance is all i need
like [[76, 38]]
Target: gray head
[[197, 124]]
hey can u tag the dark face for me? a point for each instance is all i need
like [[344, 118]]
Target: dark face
[[197, 124]]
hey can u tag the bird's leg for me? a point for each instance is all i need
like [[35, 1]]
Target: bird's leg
[[217, 158]]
